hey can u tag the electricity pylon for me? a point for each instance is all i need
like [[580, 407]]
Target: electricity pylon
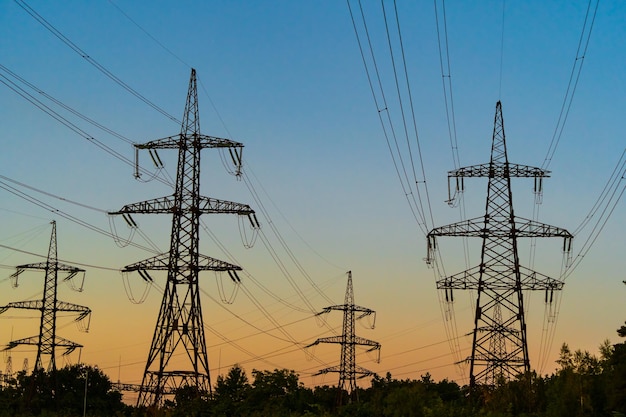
[[499, 347], [180, 326], [48, 341], [347, 368]]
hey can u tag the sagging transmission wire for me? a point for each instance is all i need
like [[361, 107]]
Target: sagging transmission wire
[[66, 122], [550, 317], [154, 247], [412, 112], [417, 208], [577, 67], [9, 188], [387, 125], [457, 199], [605, 205], [41, 20]]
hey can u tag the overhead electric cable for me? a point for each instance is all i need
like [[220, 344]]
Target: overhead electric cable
[[66, 122], [48, 207], [406, 189], [91, 60], [134, 22], [572, 84]]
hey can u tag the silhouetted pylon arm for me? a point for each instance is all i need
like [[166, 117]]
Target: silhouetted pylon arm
[[34, 341], [330, 339], [38, 305], [358, 370], [160, 263], [508, 170], [476, 228], [361, 341], [469, 280], [344, 307], [165, 205], [176, 141]]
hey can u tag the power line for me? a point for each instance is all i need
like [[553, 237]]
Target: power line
[[571, 85], [91, 60], [388, 131], [66, 122]]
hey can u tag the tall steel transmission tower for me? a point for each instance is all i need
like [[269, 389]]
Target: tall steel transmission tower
[[48, 341], [180, 327], [500, 347], [347, 368]]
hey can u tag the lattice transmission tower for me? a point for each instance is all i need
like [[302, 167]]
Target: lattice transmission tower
[[347, 368], [500, 346], [48, 340], [180, 327]]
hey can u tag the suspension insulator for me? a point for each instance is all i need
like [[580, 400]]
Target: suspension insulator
[[233, 275], [137, 174], [232, 156], [129, 220], [144, 274], [156, 159]]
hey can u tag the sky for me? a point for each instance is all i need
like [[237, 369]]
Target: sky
[[288, 80]]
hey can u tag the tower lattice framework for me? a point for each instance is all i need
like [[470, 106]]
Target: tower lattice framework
[[347, 368], [500, 346], [48, 341], [180, 327]]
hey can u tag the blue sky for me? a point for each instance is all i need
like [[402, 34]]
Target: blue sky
[[287, 79]]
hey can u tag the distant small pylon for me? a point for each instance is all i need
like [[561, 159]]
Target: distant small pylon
[[48, 341], [347, 369]]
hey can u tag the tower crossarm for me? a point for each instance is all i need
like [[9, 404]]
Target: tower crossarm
[[120, 386], [161, 263], [470, 227], [331, 339], [499, 171], [361, 341], [164, 205], [362, 372], [532, 228], [34, 341], [346, 307], [25, 305], [358, 370], [335, 368], [43, 265], [179, 140], [477, 227], [470, 280], [74, 308]]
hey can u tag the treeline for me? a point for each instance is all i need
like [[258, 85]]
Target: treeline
[[583, 385]]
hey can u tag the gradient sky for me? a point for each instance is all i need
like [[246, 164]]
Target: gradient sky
[[287, 79]]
